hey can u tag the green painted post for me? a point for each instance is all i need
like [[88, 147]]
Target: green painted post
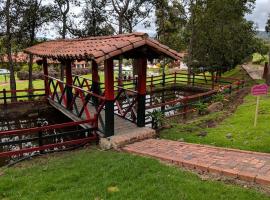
[[109, 96], [141, 64]]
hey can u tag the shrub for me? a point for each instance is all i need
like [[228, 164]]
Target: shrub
[[81, 71], [23, 75], [218, 97], [201, 107], [157, 119], [35, 67], [52, 72]]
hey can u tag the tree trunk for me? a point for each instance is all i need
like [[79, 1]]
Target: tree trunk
[[64, 32], [9, 52], [191, 41], [120, 72]]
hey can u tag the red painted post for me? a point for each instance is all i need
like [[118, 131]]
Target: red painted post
[[109, 97], [69, 83], [46, 80], [141, 65]]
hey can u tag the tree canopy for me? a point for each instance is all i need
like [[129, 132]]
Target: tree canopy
[[221, 36]]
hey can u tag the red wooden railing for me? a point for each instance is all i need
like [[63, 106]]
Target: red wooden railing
[[47, 138], [74, 98]]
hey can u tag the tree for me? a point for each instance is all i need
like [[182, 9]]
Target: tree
[[94, 22], [220, 34], [129, 13], [267, 28], [35, 15], [62, 11], [10, 16], [170, 23]]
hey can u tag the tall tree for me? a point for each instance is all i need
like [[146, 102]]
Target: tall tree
[[129, 13], [10, 16], [170, 23], [36, 14], [221, 36], [94, 20], [62, 12]]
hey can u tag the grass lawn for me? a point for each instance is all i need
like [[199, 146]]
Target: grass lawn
[[92, 174], [237, 131], [259, 59]]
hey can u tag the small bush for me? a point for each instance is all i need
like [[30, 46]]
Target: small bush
[[218, 97], [201, 107], [81, 71], [23, 75], [35, 67], [157, 119], [52, 72]]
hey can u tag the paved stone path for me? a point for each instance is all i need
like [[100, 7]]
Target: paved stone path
[[243, 165], [254, 71]]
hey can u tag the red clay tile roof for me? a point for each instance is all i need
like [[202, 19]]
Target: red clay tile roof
[[99, 48], [21, 57]]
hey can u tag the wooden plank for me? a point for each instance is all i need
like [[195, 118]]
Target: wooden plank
[[67, 113]]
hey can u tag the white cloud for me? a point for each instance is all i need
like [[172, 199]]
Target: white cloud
[[260, 13]]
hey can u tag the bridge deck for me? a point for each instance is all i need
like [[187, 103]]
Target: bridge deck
[[121, 125]]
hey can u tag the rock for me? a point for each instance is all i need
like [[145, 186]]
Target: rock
[[211, 124], [229, 136], [118, 141], [215, 107], [202, 134], [105, 144], [181, 140]]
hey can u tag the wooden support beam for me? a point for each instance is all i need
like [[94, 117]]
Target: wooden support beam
[[109, 96], [95, 82], [141, 65], [46, 80]]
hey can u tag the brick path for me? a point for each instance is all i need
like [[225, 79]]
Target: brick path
[[243, 165]]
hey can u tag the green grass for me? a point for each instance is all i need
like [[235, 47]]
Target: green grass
[[92, 174], [259, 59], [239, 125]]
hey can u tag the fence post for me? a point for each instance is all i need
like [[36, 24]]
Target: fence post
[[193, 79], [213, 81], [151, 90], [5, 97], [163, 91], [238, 85], [185, 108], [174, 80], [163, 79]]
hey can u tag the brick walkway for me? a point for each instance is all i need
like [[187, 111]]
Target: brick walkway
[[243, 165]]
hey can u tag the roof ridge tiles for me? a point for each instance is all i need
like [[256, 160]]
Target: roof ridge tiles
[[137, 34], [98, 48]]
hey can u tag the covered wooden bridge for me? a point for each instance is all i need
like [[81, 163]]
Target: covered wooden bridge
[[106, 106]]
